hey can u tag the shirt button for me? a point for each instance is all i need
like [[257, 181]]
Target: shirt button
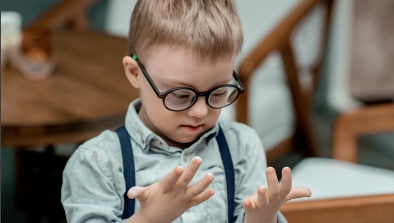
[[185, 158], [143, 140], [160, 143]]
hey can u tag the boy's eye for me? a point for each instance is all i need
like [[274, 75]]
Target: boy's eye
[[181, 94], [220, 93]]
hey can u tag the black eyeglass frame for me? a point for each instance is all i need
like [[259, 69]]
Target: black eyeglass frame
[[163, 95]]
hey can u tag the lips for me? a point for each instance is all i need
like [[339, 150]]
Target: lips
[[192, 128]]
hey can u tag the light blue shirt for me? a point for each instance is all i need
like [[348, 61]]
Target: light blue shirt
[[94, 185]]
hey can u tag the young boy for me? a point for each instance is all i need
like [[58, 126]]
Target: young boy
[[181, 59]]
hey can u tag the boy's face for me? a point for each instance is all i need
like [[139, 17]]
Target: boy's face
[[171, 67]]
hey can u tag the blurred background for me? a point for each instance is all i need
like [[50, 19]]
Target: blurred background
[[318, 74]]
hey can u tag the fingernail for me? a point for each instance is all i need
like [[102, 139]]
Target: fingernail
[[262, 188], [286, 167], [197, 158], [309, 193], [271, 170], [134, 192]]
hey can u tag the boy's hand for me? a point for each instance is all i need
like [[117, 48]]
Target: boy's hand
[[263, 205], [169, 198]]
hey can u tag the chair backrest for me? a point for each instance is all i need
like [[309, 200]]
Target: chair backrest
[[280, 40]]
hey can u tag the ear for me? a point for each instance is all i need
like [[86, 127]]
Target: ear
[[131, 71]]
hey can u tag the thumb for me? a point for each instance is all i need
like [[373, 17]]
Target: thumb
[[135, 192]]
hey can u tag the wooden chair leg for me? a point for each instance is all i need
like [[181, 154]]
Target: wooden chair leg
[[351, 125]]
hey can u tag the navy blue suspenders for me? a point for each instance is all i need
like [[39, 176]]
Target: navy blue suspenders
[[129, 171], [229, 171]]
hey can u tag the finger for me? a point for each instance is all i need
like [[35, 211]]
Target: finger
[[273, 185], [262, 197], [135, 192], [170, 180], [248, 203], [199, 187], [286, 182], [189, 172], [298, 192], [202, 197]]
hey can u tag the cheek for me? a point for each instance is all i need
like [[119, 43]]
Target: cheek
[[213, 116], [157, 113], [164, 122], [149, 98]]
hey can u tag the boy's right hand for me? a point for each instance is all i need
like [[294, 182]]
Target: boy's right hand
[[169, 198]]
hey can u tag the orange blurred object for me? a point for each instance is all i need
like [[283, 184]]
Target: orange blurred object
[[36, 56]]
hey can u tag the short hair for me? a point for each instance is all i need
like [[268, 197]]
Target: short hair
[[210, 28]]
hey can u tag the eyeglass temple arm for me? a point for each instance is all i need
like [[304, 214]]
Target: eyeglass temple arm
[[150, 81]]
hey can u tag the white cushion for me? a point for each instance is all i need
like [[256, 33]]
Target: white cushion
[[329, 178]]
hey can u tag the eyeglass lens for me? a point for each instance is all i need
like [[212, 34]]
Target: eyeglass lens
[[184, 98]]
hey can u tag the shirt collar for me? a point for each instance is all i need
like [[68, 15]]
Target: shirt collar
[[146, 139]]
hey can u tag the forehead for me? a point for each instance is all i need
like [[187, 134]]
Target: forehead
[[182, 58], [178, 65]]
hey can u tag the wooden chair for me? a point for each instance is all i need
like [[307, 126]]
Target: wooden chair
[[357, 193]]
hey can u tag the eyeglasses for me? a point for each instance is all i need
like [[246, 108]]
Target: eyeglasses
[[182, 98]]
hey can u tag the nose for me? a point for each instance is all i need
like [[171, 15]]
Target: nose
[[199, 109]]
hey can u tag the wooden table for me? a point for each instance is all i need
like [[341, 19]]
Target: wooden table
[[87, 93]]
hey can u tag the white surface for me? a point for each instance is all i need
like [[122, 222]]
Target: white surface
[[11, 23], [329, 178]]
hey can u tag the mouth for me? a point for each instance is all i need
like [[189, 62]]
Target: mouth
[[192, 128]]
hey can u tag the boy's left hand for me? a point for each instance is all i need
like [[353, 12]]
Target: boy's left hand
[[263, 205]]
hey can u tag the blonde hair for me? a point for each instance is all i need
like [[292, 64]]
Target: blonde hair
[[210, 28]]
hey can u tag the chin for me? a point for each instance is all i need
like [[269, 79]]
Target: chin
[[183, 142], [187, 140]]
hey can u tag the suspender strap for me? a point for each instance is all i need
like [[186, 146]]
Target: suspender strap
[[229, 171], [128, 169]]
